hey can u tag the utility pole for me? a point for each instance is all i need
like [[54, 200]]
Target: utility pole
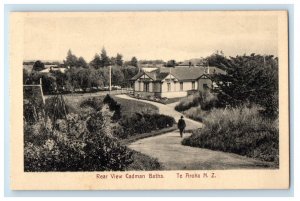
[[109, 79]]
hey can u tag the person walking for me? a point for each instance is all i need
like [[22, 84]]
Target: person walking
[[181, 125]]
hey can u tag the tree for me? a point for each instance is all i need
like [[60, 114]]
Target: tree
[[83, 76], [216, 59], [26, 76], [171, 63], [49, 84], [134, 62], [79, 78], [96, 62], [119, 60], [38, 66], [105, 61], [81, 62], [250, 79], [113, 61], [60, 79], [128, 73], [71, 60], [117, 76], [96, 78]]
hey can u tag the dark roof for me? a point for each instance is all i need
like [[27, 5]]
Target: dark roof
[[181, 73], [185, 73], [162, 75]]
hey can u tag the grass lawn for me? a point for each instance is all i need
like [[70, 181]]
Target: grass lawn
[[132, 106], [74, 101], [127, 106]]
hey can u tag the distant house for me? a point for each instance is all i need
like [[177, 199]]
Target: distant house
[[174, 82], [53, 68]]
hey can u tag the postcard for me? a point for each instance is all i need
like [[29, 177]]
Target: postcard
[[149, 100]]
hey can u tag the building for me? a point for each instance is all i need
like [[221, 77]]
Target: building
[[174, 82], [53, 68]]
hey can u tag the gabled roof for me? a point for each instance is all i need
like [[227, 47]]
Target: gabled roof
[[162, 75], [185, 73], [180, 73]]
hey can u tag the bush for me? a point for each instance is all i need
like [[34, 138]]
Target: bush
[[33, 108], [105, 153], [140, 123], [205, 100], [187, 103], [144, 162], [240, 130], [96, 103], [195, 113], [95, 122], [113, 106], [73, 145], [97, 153]]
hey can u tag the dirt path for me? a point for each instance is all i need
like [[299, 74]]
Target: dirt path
[[169, 151]]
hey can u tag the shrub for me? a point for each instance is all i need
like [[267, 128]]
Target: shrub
[[144, 162], [143, 123], [97, 153], [95, 122], [113, 106], [75, 149], [205, 100], [239, 130], [33, 104], [195, 113], [105, 153], [96, 103], [187, 103]]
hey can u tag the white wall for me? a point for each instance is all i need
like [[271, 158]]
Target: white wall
[[150, 87], [136, 86], [188, 85], [175, 86]]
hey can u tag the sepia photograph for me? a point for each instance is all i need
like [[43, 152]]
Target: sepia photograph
[[136, 95]]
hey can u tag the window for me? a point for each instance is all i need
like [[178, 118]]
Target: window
[[193, 85], [169, 86], [140, 86], [146, 87], [181, 86], [205, 86]]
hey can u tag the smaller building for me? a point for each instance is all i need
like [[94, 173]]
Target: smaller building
[[174, 82], [54, 68]]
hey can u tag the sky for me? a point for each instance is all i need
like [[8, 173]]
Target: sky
[[149, 35]]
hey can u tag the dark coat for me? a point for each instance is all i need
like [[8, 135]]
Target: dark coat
[[181, 124]]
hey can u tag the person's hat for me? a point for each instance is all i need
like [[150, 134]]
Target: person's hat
[[181, 117]]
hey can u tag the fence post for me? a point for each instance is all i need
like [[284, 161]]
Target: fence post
[[41, 88]]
